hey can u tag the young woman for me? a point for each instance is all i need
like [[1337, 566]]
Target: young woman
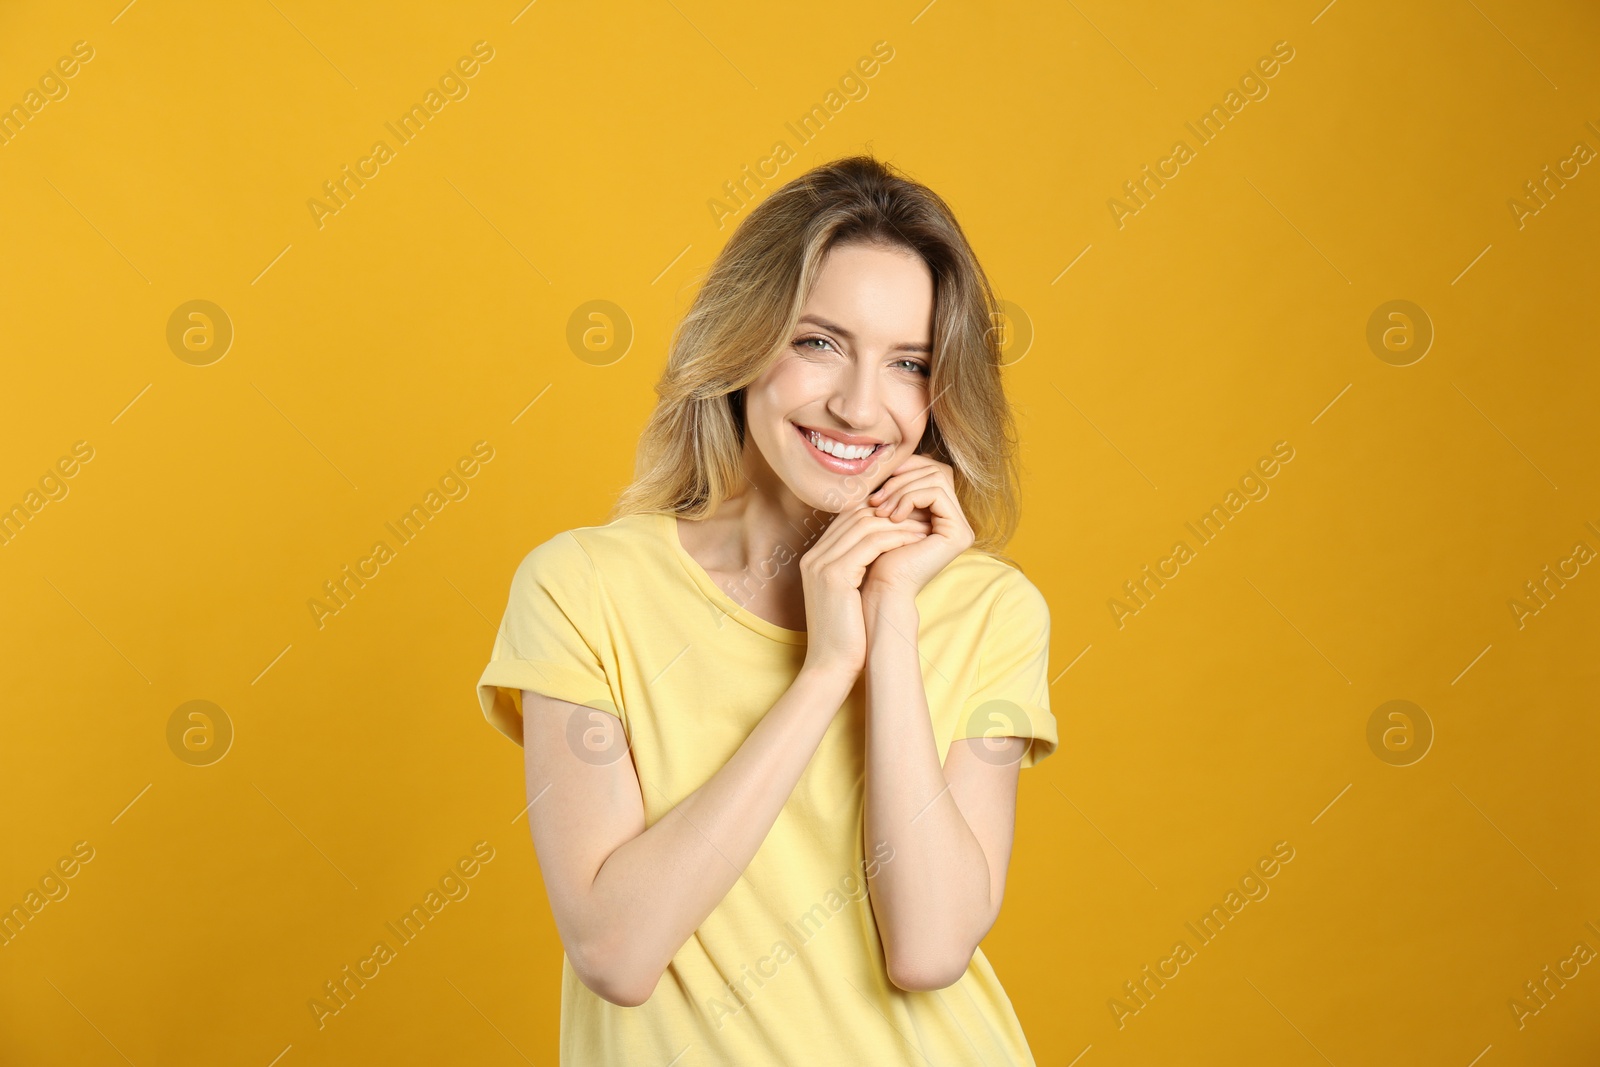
[[773, 711]]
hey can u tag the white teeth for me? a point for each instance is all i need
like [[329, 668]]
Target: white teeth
[[836, 448]]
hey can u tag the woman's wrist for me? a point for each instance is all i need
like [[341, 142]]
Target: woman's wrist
[[889, 611], [828, 680]]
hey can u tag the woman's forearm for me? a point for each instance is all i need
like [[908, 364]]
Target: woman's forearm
[[932, 900], [656, 889]]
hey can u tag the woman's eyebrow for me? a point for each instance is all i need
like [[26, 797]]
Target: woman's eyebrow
[[904, 346]]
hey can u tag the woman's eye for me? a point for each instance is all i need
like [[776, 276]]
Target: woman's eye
[[819, 340], [917, 366]]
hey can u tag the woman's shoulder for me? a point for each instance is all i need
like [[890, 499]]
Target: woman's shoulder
[[580, 546], [977, 577]]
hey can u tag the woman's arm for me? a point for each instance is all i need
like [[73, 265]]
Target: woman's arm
[[950, 827], [626, 898]]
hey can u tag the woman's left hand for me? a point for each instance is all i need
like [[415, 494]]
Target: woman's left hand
[[924, 488]]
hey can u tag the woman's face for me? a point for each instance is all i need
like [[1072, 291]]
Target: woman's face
[[853, 378]]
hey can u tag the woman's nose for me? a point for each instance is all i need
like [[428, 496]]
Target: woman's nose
[[855, 400]]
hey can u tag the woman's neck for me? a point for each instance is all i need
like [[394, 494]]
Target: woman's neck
[[751, 547]]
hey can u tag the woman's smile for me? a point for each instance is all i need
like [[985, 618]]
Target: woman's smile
[[841, 457]]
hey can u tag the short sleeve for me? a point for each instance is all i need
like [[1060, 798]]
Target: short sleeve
[[1012, 698], [549, 637]]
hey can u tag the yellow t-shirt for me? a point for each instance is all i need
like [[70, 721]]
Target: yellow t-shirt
[[788, 969]]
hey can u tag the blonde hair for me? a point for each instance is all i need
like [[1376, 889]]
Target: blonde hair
[[744, 315]]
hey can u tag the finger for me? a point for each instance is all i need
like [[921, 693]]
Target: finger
[[869, 548], [918, 496], [839, 527], [890, 484], [900, 484], [869, 526], [914, 464], [917, 462], [888, 505], [932, 470], [858, 523], [935, 498]]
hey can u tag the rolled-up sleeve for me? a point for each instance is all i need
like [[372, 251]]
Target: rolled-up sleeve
[[1012, 697], [549, 637]]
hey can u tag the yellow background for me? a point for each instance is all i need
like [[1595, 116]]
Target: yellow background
[[370, 354]]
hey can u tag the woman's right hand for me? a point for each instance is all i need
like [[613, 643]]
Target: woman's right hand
[[831, 573]]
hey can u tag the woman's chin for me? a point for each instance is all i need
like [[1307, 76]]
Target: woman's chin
[[836, 502]]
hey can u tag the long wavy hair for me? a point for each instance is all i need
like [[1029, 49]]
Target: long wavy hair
[[748, 307]]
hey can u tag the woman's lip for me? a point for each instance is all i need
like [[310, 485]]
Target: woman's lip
[[842, 438], [834, 463]]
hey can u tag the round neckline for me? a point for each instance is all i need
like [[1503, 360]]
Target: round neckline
[[667, 523]]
